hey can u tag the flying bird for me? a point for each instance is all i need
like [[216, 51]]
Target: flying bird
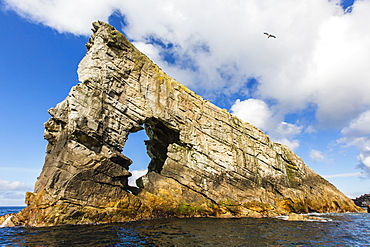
[[270, 35]]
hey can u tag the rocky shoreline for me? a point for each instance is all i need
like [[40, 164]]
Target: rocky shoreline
[[363, 201]]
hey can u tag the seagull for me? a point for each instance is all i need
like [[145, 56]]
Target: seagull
[[270, 35]]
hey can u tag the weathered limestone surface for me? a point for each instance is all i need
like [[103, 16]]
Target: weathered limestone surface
[[204, 161]]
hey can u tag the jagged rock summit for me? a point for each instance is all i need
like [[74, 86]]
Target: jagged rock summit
[[204, 160]]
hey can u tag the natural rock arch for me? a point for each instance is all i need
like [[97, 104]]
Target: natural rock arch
[[204, 160]]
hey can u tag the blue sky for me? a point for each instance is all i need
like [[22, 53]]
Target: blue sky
[[308, 88]]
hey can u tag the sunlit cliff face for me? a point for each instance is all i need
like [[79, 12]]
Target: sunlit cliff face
[[204, 160]]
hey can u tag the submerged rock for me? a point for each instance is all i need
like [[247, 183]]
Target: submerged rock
[[204, 160]]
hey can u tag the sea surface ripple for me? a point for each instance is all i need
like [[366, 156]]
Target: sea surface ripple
[[336, 230]]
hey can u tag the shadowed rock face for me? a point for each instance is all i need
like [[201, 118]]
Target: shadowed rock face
[[363, 201], [204, 161]]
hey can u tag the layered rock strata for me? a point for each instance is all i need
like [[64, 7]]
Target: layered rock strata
[[204, 160]]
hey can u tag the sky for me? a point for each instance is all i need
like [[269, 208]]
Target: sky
[[308, 88]]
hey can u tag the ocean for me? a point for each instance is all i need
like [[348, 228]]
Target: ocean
[[347, 229]]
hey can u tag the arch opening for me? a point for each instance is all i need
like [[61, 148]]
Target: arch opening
[[160, 137], [148, 149], [135, 149]]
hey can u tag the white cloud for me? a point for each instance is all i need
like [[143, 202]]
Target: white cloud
[[354, 174], [14, 186], [253, 111], [285, 133], [359, 126], [135, 175], [259, 114], [319, 54], [317, 155], [73, 16], [293, 144], [320, 57], [148, 49], [357, 134]]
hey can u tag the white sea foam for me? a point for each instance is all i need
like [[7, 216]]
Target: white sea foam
[[6, 222], [282, 217], [318, 217]]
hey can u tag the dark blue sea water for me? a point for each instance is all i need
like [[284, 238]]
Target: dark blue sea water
[[337, 230]]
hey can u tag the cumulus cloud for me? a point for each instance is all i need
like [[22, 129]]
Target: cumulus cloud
[[357, 134], [320, 57], [253, 111], [258, 113], [319, 53], [359, 126], [135, 175], [285, 132], [14, 186], [72, 16], [317, 155]]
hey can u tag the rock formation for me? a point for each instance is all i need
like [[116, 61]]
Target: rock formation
[[362, 201], [204, 160]]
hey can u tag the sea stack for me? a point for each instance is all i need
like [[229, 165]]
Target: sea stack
[[205, 162]]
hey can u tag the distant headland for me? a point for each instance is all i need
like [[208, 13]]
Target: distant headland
[[363, 201]]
